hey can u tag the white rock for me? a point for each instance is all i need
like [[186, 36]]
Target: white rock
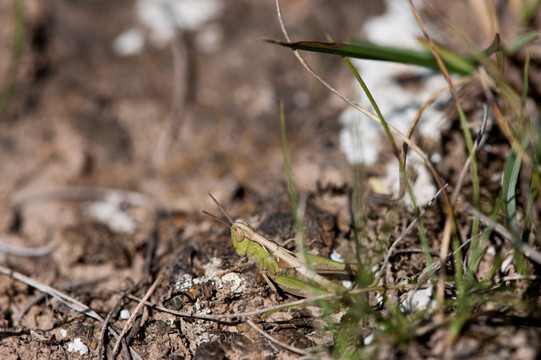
[[78, 346], [125, 314], [129, 43]]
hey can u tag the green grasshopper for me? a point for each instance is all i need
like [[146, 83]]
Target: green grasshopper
[[284, 267]]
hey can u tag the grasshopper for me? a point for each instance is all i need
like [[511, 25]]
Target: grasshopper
[[281, 265]]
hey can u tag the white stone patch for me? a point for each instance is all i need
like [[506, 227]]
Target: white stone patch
[[359, 138], [109, 212], [397, 26], [379, 300], [78, 346], [506, 263], [235, 282], [162, 20], [334, 255], [368, 340], [232, 280], [213, 267], [418, 301], [436, 158], [205, 338], [184, 284], [63, 333], [124, 314], [130, 42]]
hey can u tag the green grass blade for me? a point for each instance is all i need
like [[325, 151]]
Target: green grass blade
[[370, 51], [287, 164], [521, 41], [510, 178]]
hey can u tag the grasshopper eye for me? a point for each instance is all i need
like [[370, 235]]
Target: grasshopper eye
[[239, 235]]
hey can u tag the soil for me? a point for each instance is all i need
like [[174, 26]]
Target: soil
[[109, 160]]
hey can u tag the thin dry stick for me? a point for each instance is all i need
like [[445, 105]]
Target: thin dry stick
[[38, 298], [529, 251], [518, 277], [83, 193], [64, 298], [135, 312], [476, 145], [26, 251], [278, 342], [257, 312], [437, 266]]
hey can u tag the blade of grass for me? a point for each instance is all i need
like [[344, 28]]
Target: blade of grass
[[369, 51], [521, 41], [287, 163], [510, 178]]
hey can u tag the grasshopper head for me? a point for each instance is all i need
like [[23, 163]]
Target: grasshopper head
[[241, 233]]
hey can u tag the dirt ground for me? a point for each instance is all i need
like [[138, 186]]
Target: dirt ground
[[107, 162]]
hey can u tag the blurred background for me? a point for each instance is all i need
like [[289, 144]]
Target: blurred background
[[170, 98]]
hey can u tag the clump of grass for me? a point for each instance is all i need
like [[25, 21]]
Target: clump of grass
[[510, 219]]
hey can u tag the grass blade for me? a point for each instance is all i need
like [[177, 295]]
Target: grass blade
[[370, 51]]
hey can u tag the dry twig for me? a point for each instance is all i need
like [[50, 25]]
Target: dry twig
[[135, 312], [276, 341], [529, 251]]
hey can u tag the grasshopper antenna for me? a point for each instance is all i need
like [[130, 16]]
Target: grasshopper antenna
[[214, 217], [222, 209]]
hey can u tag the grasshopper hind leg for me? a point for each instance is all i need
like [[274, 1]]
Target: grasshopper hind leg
[[276, 290], [297, 287]]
